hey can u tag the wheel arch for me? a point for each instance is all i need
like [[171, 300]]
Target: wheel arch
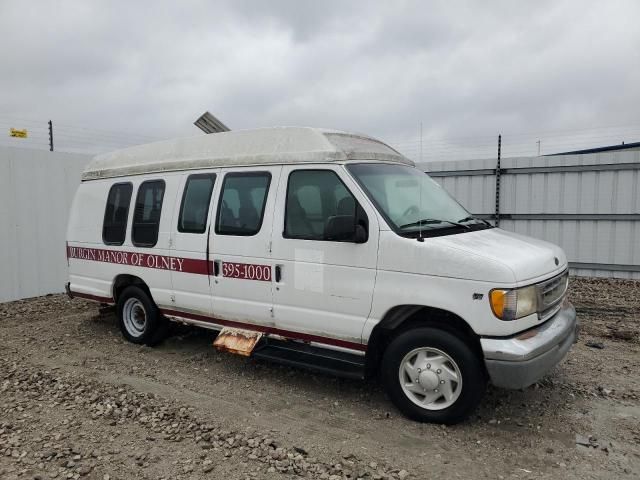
[[124, 280], [404, 317]]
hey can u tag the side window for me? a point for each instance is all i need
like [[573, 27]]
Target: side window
[[196, 197], [242, 203], [146, 216], [314, 199], [114, 226]]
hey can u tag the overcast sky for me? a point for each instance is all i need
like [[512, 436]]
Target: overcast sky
[[463, 69]]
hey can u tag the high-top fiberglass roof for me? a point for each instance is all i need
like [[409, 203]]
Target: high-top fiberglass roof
[[264, 146]]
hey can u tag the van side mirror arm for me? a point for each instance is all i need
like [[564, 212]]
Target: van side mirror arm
[[360, 235]]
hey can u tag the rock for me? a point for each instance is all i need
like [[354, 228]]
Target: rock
[[84, 470], [604, 391], [402, 474], [623, 334], [583, 449], [598, 345], [582, 440], [301, 451]]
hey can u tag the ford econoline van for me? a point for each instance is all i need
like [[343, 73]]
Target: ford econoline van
[[321, 249]]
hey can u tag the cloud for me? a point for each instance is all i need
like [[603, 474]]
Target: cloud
[[463, 69]]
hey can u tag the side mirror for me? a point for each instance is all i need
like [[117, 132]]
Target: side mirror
[[343, 228], [361, 235]]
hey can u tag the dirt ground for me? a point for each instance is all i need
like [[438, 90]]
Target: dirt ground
[[76, 400]]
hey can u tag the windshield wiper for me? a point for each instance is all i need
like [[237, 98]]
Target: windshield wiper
[[429, 221], [471, 217]]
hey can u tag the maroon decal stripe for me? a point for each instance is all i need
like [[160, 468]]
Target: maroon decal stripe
[[137, 259], [96, 298], [248, 326], [276, 331]]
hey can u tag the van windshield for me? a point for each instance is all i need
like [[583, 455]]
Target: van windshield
[[413, 203]]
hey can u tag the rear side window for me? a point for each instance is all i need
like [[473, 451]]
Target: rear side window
[[114, 226], [242, 203], [195, 203], [146, 216]]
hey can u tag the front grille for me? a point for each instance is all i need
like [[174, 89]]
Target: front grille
[[550, 295]]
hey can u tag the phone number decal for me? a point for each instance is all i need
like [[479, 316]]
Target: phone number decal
[[246, 271]]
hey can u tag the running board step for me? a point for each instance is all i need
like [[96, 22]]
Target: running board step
[[313, 358], [236, 340]]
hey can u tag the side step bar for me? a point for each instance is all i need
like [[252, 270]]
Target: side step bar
[[313, 358]]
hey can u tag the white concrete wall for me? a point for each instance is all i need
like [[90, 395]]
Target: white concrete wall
[[36, 190]]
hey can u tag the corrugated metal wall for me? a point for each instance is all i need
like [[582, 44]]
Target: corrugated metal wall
[[588, 204], [36, 190]]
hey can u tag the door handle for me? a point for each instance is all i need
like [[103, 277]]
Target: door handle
[[278, 273], [216, 268]]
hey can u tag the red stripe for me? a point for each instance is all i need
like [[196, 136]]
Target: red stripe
[[272, 330], [138, 259], [96, 298], [306, 337]]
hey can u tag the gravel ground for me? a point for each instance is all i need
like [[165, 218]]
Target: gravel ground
[[77, 401]]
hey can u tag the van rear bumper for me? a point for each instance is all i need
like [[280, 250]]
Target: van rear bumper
[[520, 361]]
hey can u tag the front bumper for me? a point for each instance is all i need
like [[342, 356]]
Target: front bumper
[[520, 361]]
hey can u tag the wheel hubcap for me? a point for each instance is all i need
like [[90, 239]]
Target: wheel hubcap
[[134, 317], [430, 378]]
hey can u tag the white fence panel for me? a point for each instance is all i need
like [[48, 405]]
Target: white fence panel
[[36, 190]]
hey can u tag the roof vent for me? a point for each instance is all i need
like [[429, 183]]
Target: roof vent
[[210, 124]]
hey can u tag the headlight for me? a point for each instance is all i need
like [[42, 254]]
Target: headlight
[[513, 304]]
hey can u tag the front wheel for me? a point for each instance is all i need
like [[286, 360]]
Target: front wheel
[[432, 375]]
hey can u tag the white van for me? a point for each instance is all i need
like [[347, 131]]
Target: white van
[[323, 249]]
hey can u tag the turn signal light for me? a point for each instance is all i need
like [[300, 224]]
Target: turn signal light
[[513, 304]]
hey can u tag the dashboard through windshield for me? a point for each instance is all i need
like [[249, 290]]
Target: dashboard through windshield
[[413, 203]]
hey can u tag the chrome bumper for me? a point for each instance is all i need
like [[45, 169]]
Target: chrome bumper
[[520, 361]]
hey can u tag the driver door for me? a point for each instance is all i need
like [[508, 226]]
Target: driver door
[[323, 289]]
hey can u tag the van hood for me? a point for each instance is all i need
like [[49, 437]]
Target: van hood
[[528, 258]]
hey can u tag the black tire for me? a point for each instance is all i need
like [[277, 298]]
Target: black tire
[[150, 331], [472, 387]]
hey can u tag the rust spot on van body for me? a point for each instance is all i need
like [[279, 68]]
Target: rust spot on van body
[[235, 340]]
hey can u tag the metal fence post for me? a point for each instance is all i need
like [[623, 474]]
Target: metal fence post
[[498, 171], [50, 136]]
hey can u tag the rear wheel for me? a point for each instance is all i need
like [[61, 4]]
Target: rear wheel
[[140, 320], [431, 375]]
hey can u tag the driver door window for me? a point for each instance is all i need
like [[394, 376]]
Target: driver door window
[[315, 198]]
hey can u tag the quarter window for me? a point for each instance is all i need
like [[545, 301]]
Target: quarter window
[[195, 203], [146, 216], [242, 203], [314, 198], [114, 226]]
